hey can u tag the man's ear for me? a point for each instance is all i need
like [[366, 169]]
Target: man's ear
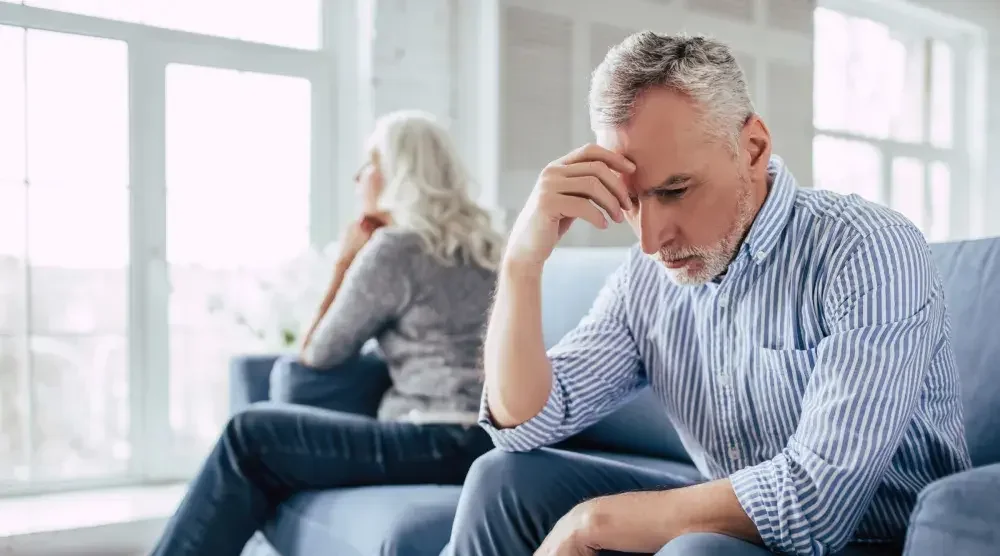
[[757, 142]]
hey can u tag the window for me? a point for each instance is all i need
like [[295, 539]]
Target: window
[[144, 172], [293, 23], [64, 256], [237, 206], [885, 114]]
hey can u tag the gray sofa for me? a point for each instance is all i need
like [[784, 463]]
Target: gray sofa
[[957, 515]]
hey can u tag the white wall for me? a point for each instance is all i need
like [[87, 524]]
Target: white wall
[[511, 76]]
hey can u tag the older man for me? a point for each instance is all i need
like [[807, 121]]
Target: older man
[[798, 340]]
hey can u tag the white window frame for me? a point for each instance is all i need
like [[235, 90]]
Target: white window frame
[[337, 125], [966, 156]]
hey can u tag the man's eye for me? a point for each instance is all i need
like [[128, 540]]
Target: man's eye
[[667, 194]]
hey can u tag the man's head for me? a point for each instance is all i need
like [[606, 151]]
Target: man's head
[[678, 107]]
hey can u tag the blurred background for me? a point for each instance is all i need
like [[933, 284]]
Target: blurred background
[[172, 172]]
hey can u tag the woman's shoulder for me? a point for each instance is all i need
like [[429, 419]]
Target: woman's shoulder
[[406, 246], [395, 242]]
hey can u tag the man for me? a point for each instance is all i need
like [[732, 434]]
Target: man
[[798, 340]]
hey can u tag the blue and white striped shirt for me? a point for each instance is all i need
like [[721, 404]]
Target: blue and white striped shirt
[[817, 374]]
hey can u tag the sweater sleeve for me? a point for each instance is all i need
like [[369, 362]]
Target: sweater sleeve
[[375, 290]]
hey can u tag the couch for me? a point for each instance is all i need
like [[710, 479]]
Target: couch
[[955, 515]]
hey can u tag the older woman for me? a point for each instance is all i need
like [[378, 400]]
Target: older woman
[[416, 273]]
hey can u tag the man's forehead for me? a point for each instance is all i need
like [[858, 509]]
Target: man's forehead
[[613, 139]]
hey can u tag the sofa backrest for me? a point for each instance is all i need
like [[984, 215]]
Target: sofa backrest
[[570, 282], [573, 276], [970, 271]]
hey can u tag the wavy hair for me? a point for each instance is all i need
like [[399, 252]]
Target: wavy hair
[[426, 189]]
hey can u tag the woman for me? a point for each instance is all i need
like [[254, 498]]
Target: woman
[[420, 283]]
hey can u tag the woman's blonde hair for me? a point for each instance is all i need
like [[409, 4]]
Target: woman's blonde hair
[[426, 189]]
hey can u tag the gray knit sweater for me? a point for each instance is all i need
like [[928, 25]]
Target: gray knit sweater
[[428, 318]]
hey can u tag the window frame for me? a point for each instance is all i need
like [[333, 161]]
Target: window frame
[[965, 157], [336, 127]]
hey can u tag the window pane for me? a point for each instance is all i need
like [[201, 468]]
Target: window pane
[[942, 109], [78, 259], [238, 179], [78, 279], [80, 389], [847, 167], [123, 10], [867, 80], [12, 163], [908, 189], [80, 136], [294, 23], [940, 228], [13, 409], [13, 275]]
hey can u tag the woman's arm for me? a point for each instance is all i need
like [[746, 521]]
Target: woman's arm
[[356, 236], [374, 290], [339, 270]]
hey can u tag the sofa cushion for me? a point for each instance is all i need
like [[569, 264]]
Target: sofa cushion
[[957, 515], [969, 270], [570, 282]]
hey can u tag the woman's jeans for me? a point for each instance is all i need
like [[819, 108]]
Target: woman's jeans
[[271, 451]]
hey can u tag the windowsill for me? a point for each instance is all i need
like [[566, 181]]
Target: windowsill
[[120, 521]]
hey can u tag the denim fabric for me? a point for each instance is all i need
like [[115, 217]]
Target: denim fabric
[[510, 501], [269, 452]]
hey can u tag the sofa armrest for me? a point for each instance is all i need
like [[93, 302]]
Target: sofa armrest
[[249, 380], [959, 514]]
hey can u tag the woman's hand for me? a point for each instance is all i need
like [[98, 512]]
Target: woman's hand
[[359, 232]]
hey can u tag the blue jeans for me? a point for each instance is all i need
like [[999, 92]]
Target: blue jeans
[[271, 451], [510, 501]]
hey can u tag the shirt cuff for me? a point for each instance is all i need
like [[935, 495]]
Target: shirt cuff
[[540, 430], [754, 487]]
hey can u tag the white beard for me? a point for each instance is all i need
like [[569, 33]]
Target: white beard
[[714, 259]]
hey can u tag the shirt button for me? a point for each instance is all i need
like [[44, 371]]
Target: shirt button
[[760, 255], [734, 453], [723, 301]]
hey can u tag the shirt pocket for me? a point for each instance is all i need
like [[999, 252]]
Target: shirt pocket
[[778, 382]]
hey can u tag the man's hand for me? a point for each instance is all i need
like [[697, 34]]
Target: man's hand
[[564, 192], [571, 534]]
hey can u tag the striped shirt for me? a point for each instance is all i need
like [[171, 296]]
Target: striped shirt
[[817, 373]]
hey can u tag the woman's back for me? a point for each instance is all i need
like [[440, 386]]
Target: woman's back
[[434, 347], [429, 319]]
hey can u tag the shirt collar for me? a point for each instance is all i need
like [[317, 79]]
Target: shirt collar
[[774, 214]]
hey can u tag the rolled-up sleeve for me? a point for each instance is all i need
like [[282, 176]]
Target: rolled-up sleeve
[[885, 312], [595, 369]]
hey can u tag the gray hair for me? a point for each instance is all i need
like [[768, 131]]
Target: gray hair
[[427, 189], [701, 68]]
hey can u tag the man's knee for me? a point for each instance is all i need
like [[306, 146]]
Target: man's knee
[[710, 544], [521, 473]]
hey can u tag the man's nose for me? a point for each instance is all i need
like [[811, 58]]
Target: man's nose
[[653, 227]]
